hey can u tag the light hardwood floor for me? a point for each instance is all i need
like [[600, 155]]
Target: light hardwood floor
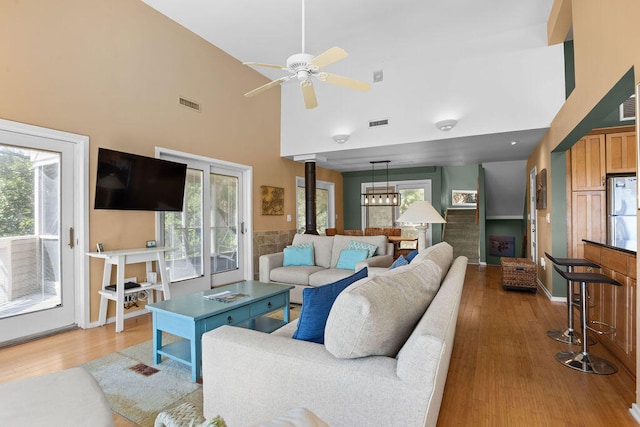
[[502, 372]]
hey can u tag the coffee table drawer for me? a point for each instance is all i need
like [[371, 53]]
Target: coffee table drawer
[[232, 317], [267, 305]]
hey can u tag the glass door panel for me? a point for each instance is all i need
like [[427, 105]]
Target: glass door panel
[[183, 232], [224, 223]]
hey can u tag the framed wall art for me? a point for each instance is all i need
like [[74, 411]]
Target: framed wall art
[[272, 200], [464, 197]]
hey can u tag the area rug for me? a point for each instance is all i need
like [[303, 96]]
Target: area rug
[[138, 389]]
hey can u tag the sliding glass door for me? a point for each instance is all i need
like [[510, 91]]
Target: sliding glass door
[[207, 239]]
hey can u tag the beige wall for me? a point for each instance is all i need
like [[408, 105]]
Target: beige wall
[[113, 70]]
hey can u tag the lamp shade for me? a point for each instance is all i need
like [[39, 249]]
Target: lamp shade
[[420, 212]]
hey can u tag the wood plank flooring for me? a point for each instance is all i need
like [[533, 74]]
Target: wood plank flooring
[[502, 372]]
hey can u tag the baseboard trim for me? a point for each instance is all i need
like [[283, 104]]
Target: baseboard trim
[[130, 315], [635, 412], [548, 294]]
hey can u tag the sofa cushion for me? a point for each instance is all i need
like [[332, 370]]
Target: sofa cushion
[[441, 254], [322, 247], [298, 255], [411, 255], [342, 242], [328, 275], [295, 275], [371, 249], [376, 316], [349, 257], [316, 304]]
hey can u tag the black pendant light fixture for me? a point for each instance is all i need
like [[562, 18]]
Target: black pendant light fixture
[[382, 196]]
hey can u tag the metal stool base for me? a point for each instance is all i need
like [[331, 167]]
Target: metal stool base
[[568, 336], [585, 362]]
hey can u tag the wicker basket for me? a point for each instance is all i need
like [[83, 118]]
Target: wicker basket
[[518, 274]]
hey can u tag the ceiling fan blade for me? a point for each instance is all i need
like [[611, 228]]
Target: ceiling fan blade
[[258, 64], [309, 94], [344, 81], [267, 86], [329, 56]]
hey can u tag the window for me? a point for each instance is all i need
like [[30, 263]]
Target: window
[[325, 205], [385, 216]]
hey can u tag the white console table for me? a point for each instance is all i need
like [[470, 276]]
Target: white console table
[[120, 258]]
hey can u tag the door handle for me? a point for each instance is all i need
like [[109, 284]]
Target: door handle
[[71, 237]]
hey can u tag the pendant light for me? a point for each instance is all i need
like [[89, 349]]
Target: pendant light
[[381, 196]]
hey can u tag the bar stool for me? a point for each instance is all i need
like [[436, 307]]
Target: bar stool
[[582, 360], [569, 335]]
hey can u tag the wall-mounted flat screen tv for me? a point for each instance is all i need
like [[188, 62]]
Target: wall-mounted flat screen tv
[[131, 182]]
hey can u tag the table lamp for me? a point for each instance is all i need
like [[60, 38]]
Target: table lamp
[[420, 214]]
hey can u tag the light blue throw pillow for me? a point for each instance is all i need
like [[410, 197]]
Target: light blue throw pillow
[[349, 258], [411, 255], [316, 305], [298, 256], [361, 245], [399, 262]]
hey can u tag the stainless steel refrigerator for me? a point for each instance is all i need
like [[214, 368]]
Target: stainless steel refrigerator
[[621, 212]]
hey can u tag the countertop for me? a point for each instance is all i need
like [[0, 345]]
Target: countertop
[[631, 249]]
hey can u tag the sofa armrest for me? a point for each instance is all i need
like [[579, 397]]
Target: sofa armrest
[[376, 261], [250, 376], [268, 263]]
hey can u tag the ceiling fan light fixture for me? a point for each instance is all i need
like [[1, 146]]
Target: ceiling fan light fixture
[[446, 125]]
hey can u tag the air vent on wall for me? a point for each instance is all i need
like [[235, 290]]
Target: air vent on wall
[[628, 109], [189, 104], [381, 122]]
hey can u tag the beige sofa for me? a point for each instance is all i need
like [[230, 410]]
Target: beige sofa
[[380, 364], [326, 255]]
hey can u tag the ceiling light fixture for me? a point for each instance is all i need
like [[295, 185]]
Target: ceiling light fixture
[[382, 196], [446, 125], [341, 139]]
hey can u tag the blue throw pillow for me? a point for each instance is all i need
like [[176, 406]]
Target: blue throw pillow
[[349, 258], [295, 255], [316, 305], [411, 255], [400, 261]]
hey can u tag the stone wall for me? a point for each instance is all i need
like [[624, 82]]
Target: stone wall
[[269, 242]]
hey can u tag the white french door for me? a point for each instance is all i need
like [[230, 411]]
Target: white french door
[[209, 239], [37, 245]]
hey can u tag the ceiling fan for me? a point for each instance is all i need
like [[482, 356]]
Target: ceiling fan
[[304, 66]]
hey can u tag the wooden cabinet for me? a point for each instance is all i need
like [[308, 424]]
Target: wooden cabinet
[[588, 213], [588, 167], [621, 152], [615, 305]]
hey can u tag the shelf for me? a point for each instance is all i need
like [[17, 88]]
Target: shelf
[[143, 287], [180, 351], [262, 324]]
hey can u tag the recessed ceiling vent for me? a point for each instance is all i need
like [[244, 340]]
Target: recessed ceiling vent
[[378, 76], [628, 109], [381, 122], [189, 104]]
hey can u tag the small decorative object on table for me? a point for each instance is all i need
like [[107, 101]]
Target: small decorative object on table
[[151, 243], [99, 247], [518, 274]]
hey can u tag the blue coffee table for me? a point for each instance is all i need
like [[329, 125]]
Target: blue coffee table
[[190, 316]]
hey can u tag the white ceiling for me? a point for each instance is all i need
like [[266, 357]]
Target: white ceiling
[[485, 63]]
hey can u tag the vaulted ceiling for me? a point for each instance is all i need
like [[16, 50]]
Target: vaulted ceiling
[[486, 64]]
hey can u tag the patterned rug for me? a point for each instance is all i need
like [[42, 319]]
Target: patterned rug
[[138, 389]]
